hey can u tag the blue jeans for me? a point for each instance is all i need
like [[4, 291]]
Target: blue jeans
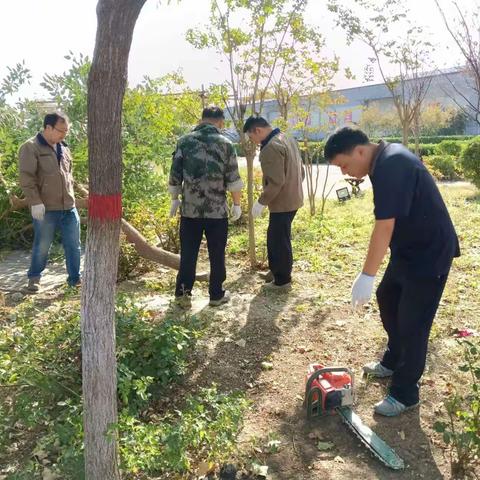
[[68, 222]]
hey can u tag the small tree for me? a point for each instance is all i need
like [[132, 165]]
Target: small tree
[[377, 122], [106, 87], [409, 55], [251, 36], [433, 118], [464, 27]]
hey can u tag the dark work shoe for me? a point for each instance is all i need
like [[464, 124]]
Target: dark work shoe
[[184, 301], [33, 285], [376, 369], [220, 301], [267, 276], [273, 287]]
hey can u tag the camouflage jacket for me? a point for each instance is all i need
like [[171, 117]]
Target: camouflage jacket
[[204, 168]]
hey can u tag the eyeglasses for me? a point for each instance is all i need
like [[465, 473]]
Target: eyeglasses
[[61, 131]]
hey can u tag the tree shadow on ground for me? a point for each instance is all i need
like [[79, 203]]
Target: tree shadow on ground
[[233, 366]]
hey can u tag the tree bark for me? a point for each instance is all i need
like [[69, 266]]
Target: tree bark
[[250, 156], [106, 88]]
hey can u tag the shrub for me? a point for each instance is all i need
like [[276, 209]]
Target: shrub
[[443, 167], [470, 161], [239, 151], [462, 430], [449, 147], [431, 138], [426, 149]]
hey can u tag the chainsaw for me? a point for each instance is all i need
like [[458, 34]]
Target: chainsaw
[[330, 390]]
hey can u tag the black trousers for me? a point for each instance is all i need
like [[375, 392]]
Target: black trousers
[[408, 305], [191, 233], [279, 246]]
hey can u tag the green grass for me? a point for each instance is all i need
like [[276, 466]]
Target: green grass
[[40, 386]]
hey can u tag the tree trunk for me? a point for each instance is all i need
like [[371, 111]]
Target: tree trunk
[[106, 88], [250, 155], [405, 128], [416, 134]]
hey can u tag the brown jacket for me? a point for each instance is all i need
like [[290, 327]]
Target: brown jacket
[[283, 174], [43, 178]]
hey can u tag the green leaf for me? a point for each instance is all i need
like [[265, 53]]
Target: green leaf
[[325, 446]]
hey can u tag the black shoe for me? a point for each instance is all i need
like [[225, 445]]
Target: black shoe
[[220, 301]]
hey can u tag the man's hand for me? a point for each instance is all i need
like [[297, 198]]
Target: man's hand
[[235, 213], [257, 209], [362, 290], [38, 212], [174, 206]]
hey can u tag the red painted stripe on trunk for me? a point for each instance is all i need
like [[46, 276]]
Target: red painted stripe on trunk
[[105, 207]]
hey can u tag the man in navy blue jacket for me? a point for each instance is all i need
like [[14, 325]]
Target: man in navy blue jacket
[[412, 219]]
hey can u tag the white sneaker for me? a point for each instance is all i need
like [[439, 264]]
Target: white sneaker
[[389, 407], [376, 369]]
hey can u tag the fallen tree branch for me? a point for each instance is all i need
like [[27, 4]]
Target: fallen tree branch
[[132, 235]]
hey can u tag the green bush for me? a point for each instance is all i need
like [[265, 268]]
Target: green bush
[[470, 161], [239, 151], [430, 139], [425, 149], [315, 150], [443, 167], [449, 147]]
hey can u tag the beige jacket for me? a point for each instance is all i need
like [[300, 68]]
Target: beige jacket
[[43, 178], [283, 174]]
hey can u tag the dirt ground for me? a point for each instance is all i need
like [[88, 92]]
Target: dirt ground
[[290, 331]]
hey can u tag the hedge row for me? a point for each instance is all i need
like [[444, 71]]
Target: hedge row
[[442, 145]]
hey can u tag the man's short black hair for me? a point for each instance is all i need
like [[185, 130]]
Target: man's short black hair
[[213, 113], [255, 121], [53, 118], [344, 140]]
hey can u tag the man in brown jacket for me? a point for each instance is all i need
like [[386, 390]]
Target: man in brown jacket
[[45, 167], [283, 174]]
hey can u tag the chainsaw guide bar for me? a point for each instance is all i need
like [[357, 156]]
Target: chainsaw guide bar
[[330, 389]]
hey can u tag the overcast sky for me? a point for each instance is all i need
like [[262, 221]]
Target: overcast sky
[[42, 32]]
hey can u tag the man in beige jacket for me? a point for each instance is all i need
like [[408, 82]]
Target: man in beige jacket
[[282, 193], [45, 167]]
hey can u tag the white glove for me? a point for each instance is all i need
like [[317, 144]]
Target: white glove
[[38, 212], [362, 290], [174, 206], [235, 213], [257, 209]]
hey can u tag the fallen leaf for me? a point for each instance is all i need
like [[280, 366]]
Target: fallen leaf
[[241, 343], [49, 475], [204, 468], [261, 470], [274, 444], [324, 446], [40, 454], [315, 435]]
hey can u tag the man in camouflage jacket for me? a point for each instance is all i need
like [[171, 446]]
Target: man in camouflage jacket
[[204, 169]]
